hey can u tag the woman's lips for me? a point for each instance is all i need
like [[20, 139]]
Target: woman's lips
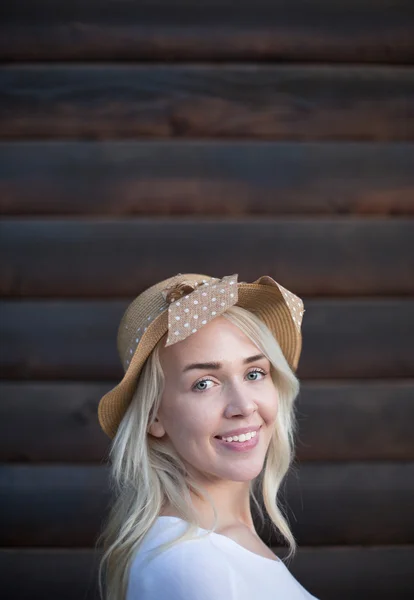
[[240, 446]]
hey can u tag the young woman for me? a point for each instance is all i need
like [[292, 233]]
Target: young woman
[[202, 426]]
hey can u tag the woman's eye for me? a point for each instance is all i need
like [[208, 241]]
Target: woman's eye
[[252, 375], [200, 386]]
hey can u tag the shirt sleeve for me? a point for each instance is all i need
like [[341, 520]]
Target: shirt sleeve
[[192, 570]]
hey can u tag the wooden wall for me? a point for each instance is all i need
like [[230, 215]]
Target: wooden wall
[[142, 139]]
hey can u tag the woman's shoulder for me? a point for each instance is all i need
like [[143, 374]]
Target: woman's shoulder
[[168, 529], [204, 567], [180, 569]]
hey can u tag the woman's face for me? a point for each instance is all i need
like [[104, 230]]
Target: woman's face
[[216, 381]]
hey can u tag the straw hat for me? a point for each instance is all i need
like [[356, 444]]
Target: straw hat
[[181, 305]]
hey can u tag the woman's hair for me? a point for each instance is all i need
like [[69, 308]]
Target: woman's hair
[[147, 474]]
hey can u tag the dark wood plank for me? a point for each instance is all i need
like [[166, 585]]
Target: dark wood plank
[[77, 340], [46, 258], [373, 573], [362, 503], [264, 102], [57, 422], [356, 420], [52, 505], [341, 573], [364, 31], [75, 332], [349, 503], [43, 574], [51, 422], [213, 178]]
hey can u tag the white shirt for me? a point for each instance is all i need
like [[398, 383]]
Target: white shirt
[[213, 567]]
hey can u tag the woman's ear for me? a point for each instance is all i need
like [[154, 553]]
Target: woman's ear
[[156, 429]]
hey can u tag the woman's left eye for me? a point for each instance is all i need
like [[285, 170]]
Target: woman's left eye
[[254, 373]]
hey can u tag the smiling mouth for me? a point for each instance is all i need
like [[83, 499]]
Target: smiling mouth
[[220, 437], [243, 445]]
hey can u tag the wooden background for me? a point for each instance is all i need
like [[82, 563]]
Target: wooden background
[[142, 139]]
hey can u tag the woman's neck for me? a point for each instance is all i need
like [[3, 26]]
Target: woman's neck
[[232, 514]]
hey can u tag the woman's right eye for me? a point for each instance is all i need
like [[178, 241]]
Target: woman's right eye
[[201, 385]]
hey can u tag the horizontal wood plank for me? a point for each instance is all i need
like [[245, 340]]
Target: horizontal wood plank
[[46, 258], [51, 422], [228, 101], [355, 420], [364, 31], [206, 178], [329, 504], [77, 340], [373, 573], [57, 421], [47, 574], [341, 573]]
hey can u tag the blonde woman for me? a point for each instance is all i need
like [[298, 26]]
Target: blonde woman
[[202, 426]]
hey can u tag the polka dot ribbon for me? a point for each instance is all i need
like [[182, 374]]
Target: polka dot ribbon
[[189, 313], [293, 302]]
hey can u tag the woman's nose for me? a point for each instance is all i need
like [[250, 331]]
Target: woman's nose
[[240, 401]]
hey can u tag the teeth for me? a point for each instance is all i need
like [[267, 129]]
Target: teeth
[[244, 437]]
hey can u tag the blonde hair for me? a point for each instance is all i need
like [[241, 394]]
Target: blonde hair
[[146, 474]]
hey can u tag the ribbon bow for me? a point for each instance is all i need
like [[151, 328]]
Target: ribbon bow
[[190, 311]]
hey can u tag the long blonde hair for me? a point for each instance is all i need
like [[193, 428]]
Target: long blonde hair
[[146, 474]]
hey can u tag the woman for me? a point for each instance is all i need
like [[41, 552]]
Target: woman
[[202, 423]]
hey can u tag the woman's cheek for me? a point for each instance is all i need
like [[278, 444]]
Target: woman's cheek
[[198, 424], [271, 409]]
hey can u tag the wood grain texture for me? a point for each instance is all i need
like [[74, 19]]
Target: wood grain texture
[[206, 178], [227, 101], [120, 258], [341, 573], [378, 573], [364, 31], [329, 504], [47, 574], [57, 421], [355, 421], [77, 340]]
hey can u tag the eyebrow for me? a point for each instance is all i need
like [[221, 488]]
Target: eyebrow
[[216, 365]]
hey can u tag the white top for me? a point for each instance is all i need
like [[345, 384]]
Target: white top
[[213, 567]]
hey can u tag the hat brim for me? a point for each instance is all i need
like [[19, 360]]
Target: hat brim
[[262, 299]]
